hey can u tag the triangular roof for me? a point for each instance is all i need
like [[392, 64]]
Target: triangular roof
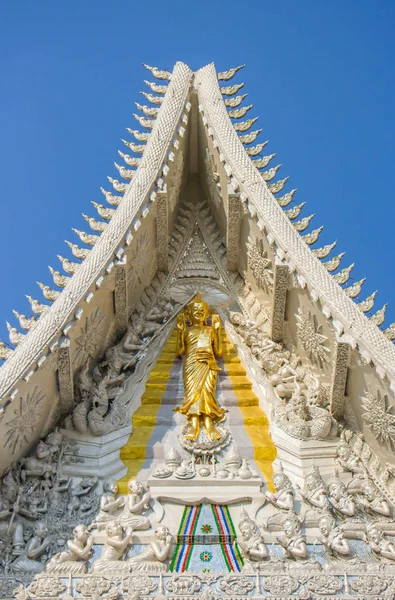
[[197, 122]]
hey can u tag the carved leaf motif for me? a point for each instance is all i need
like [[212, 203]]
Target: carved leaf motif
[[311, 338], [92, 586], [378, 417], [280, 584], [139, 584], [369, 585], [234, 584], [46, 586], [259, 264], [325, 584]]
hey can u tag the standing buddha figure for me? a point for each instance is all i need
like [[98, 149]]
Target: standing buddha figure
[[201, 344]]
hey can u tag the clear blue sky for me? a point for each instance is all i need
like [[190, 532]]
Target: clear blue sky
[[320, 73]]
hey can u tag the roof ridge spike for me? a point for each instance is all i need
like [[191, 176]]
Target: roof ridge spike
[[303, 224], [367, 304], [68, 266], [5, 351], [149, 111], [276, 187], [132, 161], [344, 275], [27, 323], [287, 198], [333, 264], [136, 148], [158, 73], [144, 122], [48, 293], [312, 237], [15, 336], [111, 198], [155, 87], [141, 136], [294, 212], [379, 317], [271, 173], [245, 125], [118, 185], [78, 252], [59, 279], [37, 307], [94, 224], [239, 113], [390, 332], [354, 290], [227, 75], [86, 238], [248, 138], [151, 98], [127, 174], [231, 90], [235, 102], [104, 213], [261, 163], [324, 251], [255, 150]]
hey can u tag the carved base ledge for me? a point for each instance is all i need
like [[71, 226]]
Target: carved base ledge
[[298, 456], [100, 454]]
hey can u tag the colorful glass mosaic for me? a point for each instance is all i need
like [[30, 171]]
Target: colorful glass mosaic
[[215, 527]]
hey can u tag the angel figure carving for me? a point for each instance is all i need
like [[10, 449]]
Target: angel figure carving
[[201, 344]]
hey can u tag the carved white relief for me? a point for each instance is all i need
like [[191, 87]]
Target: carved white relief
[[378, 416], [27, 413], [259, 264], [311, 338]]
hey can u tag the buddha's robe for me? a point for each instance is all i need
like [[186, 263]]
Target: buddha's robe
[[200, 373]]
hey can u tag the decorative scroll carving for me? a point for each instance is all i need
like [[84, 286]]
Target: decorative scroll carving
[[339, 379], [162, 231], [281, 273], [233, 231]]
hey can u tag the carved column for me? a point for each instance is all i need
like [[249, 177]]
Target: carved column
[[65, 375], [339, 379], [233, 231], [162, 231], [281, 274], [121, 296]]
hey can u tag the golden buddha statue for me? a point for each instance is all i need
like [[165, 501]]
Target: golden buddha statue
[[200, 343]]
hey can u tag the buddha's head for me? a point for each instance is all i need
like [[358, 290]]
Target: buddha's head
[[198, 311]]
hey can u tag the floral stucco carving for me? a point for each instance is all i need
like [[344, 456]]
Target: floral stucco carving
[[27, 414], [310, 337], [259, 264], [378, 417], [87, 341]]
